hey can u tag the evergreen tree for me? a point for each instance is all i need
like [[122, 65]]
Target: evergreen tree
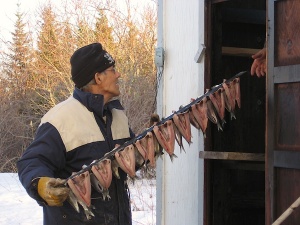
[[51, 61], [15, 110], [18, 58], [104, 32]]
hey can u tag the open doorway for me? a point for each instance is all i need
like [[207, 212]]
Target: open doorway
[[235, 186]]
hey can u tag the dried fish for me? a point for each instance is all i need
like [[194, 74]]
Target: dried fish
[[126, 160], [182, 122], [193, 120], [141, 146], [145, 146], [166, 137], [151, 149], [99, 188], [81, 187], [103, 172], [178, 138], [139, 160], [75, 202], [212, 114], [229, 100], [87, 210], [219, 103], [158, 149], [237, 91], [231, 87], [115, 168], [199, 111]]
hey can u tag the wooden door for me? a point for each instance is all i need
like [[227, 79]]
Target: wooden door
[[283, 110]]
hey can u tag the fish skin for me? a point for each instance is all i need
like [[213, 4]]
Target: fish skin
[[166, 137], [115, 168], [139, 160], [141, 146], [81, 187], [145, 146], [126, 160], [229, 101], [87, 209], [96, 184], [231, 86], [158, 149], [199, 111], [98, 187], [73, 201], [193, 120], [178, 138], [151, 149], [211, 114], [182, 122], [102, 171], [219, 103], [237, 91]]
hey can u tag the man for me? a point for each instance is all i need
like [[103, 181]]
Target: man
[[74, 133]]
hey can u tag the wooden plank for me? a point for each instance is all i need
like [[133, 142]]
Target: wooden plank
[[218, 1], [287, 39], [270, 116], [244, 52], [232, 156], [287, 74], [285, 193]]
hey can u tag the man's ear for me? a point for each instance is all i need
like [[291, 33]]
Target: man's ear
[[98, 78]]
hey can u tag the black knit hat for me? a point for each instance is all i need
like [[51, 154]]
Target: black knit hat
[[87, 61]]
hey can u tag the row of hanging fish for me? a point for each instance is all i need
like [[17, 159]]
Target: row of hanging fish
[[146, 148]]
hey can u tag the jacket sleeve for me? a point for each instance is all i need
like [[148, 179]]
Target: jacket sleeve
[[45, 155]]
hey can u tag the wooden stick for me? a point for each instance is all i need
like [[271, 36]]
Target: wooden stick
[[181, 110], [287, 212], [232, 156]]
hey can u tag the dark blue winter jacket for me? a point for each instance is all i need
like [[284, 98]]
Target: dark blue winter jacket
[[72, 134]]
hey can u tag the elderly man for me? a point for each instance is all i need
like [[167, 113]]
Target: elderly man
[[74, 133]]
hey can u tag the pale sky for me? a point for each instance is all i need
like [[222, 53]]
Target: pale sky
[[8, 9]]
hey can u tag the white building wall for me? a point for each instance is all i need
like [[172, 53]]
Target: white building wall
[[180, 183]]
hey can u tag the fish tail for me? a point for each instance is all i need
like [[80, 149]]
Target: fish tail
[[232, 115], [182, 149], [172, 157], [219, 127], [223, 122], [73, 201]]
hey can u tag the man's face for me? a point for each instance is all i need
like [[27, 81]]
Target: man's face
[[109, 84]]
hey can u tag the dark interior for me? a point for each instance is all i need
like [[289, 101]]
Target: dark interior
[[237, 187]]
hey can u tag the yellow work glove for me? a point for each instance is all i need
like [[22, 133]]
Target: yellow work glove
[[53, 190]]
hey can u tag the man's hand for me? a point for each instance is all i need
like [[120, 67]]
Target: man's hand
[[259, 64], [53, 190]]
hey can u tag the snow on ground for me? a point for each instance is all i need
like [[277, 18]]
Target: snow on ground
[[17, 208]]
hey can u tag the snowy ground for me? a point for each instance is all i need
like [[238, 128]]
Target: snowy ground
[[17, 208]]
